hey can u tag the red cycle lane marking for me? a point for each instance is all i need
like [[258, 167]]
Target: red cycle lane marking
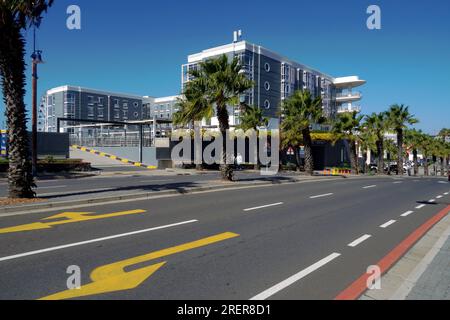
[[357, 288]]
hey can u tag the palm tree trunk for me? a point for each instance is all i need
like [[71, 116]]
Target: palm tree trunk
[[416, 162], [380, 151], [354, 157], [442, 166], [226, 169], [426, 167], [12, 70], [400, 152], [309, 158], [297, 157]]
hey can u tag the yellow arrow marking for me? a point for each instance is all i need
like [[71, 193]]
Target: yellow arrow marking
[[70, 217], [113, 278]]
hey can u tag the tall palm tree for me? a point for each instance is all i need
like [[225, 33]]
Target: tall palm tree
[[252, 118], [377, 124], [347, 127], [413, 139], [368, 143], [216, 85], [399, 118], [15, 17], [427, 146], [298, 113]]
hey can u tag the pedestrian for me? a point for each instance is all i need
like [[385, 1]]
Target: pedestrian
[[239, 161]]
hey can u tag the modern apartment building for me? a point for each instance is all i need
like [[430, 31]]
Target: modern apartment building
[[277, 77], [89, 104]]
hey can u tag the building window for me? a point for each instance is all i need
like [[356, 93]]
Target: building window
[[125, 114], [116, 114], [267, 86], [90, 100], [136, 115], [100, 112], [125, 104], [90, 111], [267, 67], [116, 103], [135, 104], [267, 104], [100, 101]]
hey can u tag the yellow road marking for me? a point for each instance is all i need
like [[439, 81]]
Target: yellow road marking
[[137, 164], [125, 160], [113, 157], [69, 217], [113, 278], [102, 154], [93, 151], [83, 149]]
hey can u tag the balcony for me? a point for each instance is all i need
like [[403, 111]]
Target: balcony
[[348, 96], [349, 109]]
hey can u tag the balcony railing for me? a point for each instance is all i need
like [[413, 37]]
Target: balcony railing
[[349, 95], [349, 109]]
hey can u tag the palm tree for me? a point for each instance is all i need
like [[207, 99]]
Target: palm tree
[[298, 113], [15, 16], [413, 139], [217, 84], [376, 123], [252, 118], [368, 142], [347, 127], [444, 134], [399, 118], [426, 145]]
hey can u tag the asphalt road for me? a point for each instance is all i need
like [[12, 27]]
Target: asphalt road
[[126, 182], [302, 241]]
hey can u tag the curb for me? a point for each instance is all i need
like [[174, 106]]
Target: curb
[[112, 157], [7, 211]]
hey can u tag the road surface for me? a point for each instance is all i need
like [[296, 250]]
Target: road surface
[[295, 241]]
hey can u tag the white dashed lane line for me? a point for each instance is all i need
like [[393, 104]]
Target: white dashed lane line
[[263, 207], [407, 213], [369, 187], [295, 278], [358, 241], [421, 206], [388, 224], [321, 196]]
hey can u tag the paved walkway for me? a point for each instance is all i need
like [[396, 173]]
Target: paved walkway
[[434, 284]]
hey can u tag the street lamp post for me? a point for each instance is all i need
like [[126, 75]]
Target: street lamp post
[[36, 59]]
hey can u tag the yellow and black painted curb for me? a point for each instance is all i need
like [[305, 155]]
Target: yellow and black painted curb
[[112, 157]]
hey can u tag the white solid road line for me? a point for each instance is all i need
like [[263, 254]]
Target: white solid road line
[[52, 187], [31, 253], [398, 182], [295, 278], [369, 187], [388, 224], [407, 213], [265, 206], [358, 241], [421, 206], [321, 196]]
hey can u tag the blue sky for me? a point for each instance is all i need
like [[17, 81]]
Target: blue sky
[[138, 46]]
